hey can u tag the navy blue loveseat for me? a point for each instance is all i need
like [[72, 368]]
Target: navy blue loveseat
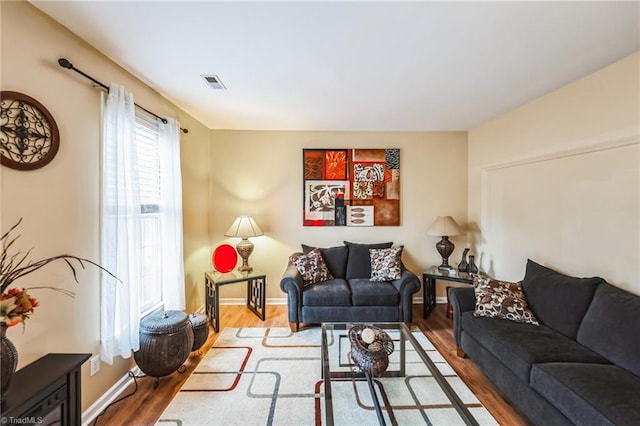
[[580, 366], [350, 296]]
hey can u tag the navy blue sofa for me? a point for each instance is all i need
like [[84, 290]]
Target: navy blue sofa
[[580, 366], [351, 296]]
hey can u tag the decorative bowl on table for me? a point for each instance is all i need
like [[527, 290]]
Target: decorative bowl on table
[[224, 258], [370, 348]]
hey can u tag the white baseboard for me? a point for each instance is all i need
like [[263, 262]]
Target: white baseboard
[[89, 415], [418, 300], [239, 301]]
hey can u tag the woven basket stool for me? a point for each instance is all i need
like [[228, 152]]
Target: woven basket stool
[[200, 327], [165, 342]]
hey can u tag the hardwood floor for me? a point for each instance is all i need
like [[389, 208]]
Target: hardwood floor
[[147, 404]]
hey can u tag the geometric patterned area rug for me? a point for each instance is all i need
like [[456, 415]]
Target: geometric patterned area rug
[[271, 376]]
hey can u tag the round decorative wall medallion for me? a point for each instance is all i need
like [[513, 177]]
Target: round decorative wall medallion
[[29, 136]]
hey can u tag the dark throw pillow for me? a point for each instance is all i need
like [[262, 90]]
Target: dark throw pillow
[[311, 266], [557, 300], [386, 264], [334, 257], [501, 300], [359, 263]]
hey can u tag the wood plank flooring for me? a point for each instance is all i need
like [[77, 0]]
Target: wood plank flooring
[[147, 404]]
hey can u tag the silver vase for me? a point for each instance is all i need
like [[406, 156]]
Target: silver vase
[[8, 361]]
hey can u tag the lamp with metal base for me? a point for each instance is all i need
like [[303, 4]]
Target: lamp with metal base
[[444, 226], [244, 227]]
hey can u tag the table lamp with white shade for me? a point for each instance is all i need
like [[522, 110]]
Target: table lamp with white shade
[[244, 227], [444, 226]]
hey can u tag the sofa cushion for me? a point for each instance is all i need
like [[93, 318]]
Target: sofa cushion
[[334, 257], [589, 394], [365, 292], [518, 345], [386, 264], [557, 300], [311, 266], [329, 293], [611, 327], [501, 300], [359, 261]]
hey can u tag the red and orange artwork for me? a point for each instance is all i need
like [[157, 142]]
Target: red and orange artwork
[[335, 165], [368, 172], [386, 213], [366, 177], [313, 164], [365, 183]]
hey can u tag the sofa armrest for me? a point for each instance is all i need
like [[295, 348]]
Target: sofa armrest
[[407, 285], [292, 284], [462, 299]]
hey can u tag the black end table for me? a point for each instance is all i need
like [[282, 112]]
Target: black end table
[[256, 292], [429, 278]]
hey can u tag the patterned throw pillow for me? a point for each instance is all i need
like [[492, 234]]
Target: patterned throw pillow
[[311, 266], [501, 300], [386, 264]]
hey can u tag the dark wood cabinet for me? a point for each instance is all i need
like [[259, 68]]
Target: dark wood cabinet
[[46, 391]]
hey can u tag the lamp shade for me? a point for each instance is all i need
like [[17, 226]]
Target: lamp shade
[[444, 226], [244, 227]]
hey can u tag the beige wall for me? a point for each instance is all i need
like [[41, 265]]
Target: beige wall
[[60, 202], [557, 180], [260, 173]]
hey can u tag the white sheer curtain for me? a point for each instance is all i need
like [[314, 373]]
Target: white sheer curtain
[[171, 216], [120, 242]]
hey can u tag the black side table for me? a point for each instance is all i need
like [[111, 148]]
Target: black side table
[[256, 292], [429, 278]]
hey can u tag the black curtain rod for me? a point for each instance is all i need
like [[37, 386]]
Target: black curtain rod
[[64, 63]]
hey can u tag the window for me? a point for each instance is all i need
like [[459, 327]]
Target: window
[[149, 186], [141, 221]]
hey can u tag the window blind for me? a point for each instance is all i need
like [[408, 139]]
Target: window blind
[[148, 152]]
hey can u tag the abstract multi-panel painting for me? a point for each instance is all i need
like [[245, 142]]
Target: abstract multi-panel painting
[[351, 187]]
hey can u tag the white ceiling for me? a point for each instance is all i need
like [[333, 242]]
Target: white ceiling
[[353, 65]]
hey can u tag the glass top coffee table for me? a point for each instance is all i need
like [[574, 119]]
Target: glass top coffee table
[[411, 391]]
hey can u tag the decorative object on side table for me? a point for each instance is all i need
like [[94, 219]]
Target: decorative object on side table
[[16, 305], [463, 266], [473, 268], [8, 359], [370, 348], [444, 226], [244, 227], [29, 136], [224, 258]]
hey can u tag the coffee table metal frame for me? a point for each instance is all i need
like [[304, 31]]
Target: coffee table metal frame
[[405, 335]]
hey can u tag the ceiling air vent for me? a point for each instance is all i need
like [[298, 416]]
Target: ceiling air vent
[[214, 82]]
